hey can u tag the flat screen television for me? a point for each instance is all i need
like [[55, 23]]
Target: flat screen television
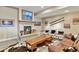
[[37, 23], [26, 15], [46, 31], [53, 31], [7, 23], [0, 23], [46, 22], [61, 32]]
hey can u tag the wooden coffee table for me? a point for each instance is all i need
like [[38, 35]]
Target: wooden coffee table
[[35, 41]]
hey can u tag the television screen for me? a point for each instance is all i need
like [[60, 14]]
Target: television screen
[[37, 23], [0, 23], [46, 22], [46, 31], [53, 31], [61, 32], [7, 23], [26, 15]]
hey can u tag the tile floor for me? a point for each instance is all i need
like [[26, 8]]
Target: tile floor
[[5, 44]]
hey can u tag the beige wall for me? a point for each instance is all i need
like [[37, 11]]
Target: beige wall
[[8, 32], [68, 19], [11, 32]]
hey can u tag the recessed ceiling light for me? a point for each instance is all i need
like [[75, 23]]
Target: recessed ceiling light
[[66, 10], [46, 11], [42, 6]]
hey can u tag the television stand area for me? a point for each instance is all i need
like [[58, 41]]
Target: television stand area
[[32, 43]]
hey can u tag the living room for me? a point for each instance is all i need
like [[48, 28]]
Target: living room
[[39, 29]]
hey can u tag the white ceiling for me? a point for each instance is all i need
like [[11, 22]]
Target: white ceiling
[[48, 11], [33, 8], [59, 11]]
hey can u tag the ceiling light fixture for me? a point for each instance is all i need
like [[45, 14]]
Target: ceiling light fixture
[[66, 11], [42, 6], [46, 11], [52, 10]]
